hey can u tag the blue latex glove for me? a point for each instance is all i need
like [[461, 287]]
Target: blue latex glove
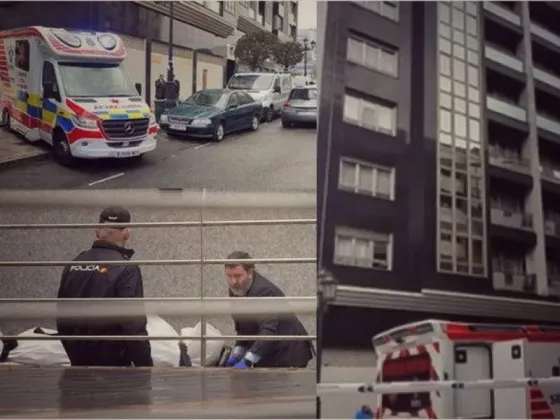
[[242, 364], [364, 413], [233, 360]]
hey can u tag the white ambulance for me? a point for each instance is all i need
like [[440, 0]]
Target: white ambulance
[[69, 89], [441, 350]]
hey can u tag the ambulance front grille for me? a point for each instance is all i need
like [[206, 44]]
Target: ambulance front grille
[[126, 129]]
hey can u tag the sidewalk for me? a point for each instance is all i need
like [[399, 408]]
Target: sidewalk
[[14, 150]]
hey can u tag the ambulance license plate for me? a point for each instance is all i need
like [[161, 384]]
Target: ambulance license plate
[[178, 127], [127, 154]]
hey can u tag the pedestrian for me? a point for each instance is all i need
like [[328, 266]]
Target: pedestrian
[[160, 94], [365, 412], [244, 281], [105, 281]]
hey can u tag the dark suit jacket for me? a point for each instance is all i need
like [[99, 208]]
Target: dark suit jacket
[[273, 353]]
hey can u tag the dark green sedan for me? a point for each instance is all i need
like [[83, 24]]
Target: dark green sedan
[[213, 113]]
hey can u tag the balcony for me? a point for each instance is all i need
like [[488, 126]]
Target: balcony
[[552, 226], [512, 163], [502, 12], [494, 54], [545, 34], [549, 173], [547, 77], [519, 282], [553, 284], [504, 107], [292, 19], [509, 218], [548, 123]]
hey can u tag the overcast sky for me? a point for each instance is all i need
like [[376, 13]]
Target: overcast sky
[[307, 14]]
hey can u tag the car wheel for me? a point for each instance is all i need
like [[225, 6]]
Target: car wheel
[[61, 149], [286, 124], [218, 133], [255, 121], [269, 114]]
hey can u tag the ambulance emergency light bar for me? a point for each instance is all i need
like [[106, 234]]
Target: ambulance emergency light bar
[[433, 386]]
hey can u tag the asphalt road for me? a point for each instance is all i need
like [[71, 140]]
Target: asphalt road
[[271, 159], [159, 243]]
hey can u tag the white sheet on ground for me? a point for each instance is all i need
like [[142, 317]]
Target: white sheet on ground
[[51, 352], [213, 347]]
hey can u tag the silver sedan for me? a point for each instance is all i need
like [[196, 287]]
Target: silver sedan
[[301, 107]]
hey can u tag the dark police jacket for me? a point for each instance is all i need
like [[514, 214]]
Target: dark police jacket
[[273, 353], [98, 281]]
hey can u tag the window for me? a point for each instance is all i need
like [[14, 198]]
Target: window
[[21, 55], [473, 76], [460, 105], [458, 70], [460, 125], [373, 56], [458, 18], [364, 249], [472, 43], [472, 27], [445, 100], [445, 121], [444, 31], [472, 57], [473, 95], [245, 98], [50, 84], [460, 89], [472, 8], [229, 6], [388, 9], [364, 178], [458, 51], [445, 84], [474, 130], [444, 13], [458, 37], [474, 110], [445, 46], [371, 115], [445, 65]]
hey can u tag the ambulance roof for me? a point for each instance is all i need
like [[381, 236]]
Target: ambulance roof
[[69, 44]]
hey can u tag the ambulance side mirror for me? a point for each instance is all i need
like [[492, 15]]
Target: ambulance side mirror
[[139, 88]]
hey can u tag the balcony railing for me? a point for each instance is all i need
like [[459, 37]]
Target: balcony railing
[[553, 284], [494, 54], [511, 163], [520, 282], [548, 123], [501, 106], [550, 174], [545, 34], [547, 77], [509, 218], [502, 12], [552, 226]]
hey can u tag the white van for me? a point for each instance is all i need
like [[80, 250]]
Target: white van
[[69, 89], [271, 89]]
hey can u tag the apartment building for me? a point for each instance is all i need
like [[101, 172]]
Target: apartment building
[[438, 177]]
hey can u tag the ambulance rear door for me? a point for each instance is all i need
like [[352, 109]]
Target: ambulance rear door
[[473, 362], [543, 361], [509, 362]]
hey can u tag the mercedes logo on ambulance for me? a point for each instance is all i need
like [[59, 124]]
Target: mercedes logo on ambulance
[[129, 128]]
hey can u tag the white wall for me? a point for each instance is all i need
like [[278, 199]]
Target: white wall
[[214, 67], [135, 61]]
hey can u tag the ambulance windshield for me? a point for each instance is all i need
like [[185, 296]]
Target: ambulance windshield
[[94, 80], [407, 369]]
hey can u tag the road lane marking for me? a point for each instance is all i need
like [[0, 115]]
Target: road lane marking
[[202, 145], [109, 178]]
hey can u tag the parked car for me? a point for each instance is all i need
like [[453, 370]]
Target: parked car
[[213, 113], [301, 107], [270, 89]]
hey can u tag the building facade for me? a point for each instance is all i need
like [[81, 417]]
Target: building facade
[[202, 33], [438, 189]]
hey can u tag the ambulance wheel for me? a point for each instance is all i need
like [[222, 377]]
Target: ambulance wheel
[[61, 149], [6, 123]]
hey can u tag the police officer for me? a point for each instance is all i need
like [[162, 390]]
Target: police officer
[[244, 281], [111, 281]]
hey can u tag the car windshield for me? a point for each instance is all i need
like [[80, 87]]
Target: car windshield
[[86, 80], [215, 99], [251, 81], [304, 94]]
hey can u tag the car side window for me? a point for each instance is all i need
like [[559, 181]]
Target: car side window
[[245, 98], [286, 85], [277, 83], [50, 85], [233, 99]]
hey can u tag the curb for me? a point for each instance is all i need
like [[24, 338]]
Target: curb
[[24, 159]]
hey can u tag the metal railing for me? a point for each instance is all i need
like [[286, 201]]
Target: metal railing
[[32, 308]]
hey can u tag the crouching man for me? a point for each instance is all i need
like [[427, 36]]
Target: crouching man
[[244, 281]]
